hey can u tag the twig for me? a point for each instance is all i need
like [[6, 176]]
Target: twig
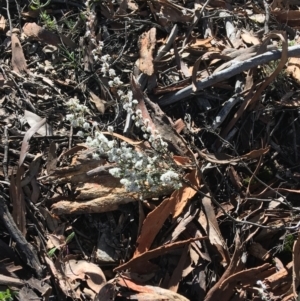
[[227, 73], [8, 16], [5, 158], [29, 255], [196, 20], [70, 137], [267, 11], [17, 153]]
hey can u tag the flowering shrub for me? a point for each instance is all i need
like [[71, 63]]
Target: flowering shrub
[[138, 171]]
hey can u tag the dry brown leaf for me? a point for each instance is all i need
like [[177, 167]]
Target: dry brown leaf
[[148, 292], [296, 266], [98, 102], [81, 269], [32, 30], [178, 271], [221, 158], [247, 277], [66, 286], [18, 59], [249, 38], [258, 251], [289, 17], [106, 293], [259, 18], [181, 161], [139, 262], [187, 192], [146, 45], [2, 23], [32, 119], [33, 170], [156, 218], [215, 293], [51, 159], [293, 68], [26, 139], [210, 224]]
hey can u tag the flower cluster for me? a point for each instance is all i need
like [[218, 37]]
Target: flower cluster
[[77, 115], [105, 67], [129, 103], [138, 172]]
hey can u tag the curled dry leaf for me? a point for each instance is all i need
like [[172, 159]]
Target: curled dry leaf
[[32, 119], [28, 135], [84, 270], [18, 59]]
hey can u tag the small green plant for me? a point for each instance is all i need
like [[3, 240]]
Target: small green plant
[[70, 56], [291, 43], [288, 243], [37, 4], [47, 21], [52, 251], [7, 295]]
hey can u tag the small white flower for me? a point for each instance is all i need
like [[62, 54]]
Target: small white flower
[[80, 120], [129, 95], [111, 83], [110, 128], [135, 102], [111, 144], [80, 134], [89, 140], [168, 176], [74, 123], [87, 33], [145, 136], [117, 81], [120, 92], [94, 143], [70, 117], [86, 125], [96, 156], [115, 172], [111, 72], [105, 58]]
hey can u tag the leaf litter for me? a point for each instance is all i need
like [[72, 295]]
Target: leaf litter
[[219, 81]]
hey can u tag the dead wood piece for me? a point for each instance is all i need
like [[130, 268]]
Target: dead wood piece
[[229, 72], [98, 205], [24, 247]]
